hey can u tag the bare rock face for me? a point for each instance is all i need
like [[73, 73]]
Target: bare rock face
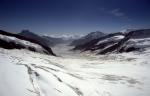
[[15, 41]]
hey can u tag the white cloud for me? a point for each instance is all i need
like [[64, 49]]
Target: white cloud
[[116, 12]]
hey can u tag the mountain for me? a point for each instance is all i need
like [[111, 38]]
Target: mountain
[[31, 35], [100, 42], [14, 41], [138, 33], [117, 42], [87, 38]]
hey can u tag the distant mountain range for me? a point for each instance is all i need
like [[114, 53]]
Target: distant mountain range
[[66, 36]]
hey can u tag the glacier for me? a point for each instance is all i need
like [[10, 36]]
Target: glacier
[[74, 73]]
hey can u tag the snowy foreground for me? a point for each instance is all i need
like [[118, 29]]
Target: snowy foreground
[[25, 73]]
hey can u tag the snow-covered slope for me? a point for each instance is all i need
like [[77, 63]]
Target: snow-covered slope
[[24, 43], [14, 41], [26, 73]]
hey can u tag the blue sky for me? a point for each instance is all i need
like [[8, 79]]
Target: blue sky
[[73, 16]]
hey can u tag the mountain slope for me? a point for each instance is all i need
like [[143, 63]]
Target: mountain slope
[[28, 34], [100, 42], [15, 41], [87, 38], [116, 42]]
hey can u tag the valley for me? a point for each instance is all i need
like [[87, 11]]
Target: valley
[[75, 48], [25, 72]]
